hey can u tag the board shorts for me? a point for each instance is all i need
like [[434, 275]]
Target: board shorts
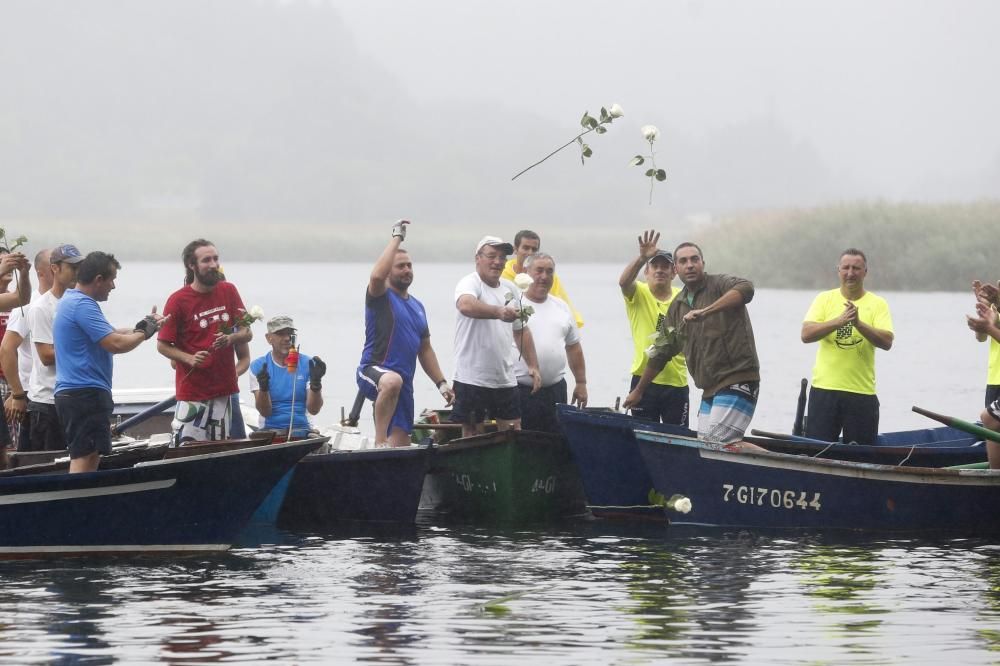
[[86, 418], [476, 404], [202, 420], [725, 417], [368, 378]]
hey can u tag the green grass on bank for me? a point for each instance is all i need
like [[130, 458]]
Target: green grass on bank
[[920, 247]]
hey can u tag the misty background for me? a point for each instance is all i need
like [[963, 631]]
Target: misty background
[[302, 129]]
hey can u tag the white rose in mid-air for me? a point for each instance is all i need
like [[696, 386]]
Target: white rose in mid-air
[[616, 111], [650, 133], [683, 505], [257, 312], [523, 281]]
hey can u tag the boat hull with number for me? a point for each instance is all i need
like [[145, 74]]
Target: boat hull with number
[[618, 486], [195, 503], [775, 490], [513, 476]]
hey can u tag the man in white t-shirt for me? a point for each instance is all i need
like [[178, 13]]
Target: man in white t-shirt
[[16, 358], [557, 340], [47, 433], [489, 337]]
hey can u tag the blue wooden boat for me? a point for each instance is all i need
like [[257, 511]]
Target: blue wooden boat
[[193, 503], [614, 478], [371, 485], [776, 490], [617, 484]]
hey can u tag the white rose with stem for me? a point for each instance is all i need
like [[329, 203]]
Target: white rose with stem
[[590, 124], [522, 281], [650, 133]]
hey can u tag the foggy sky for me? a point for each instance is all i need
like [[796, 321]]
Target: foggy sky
[[896, 97], [361, 111]]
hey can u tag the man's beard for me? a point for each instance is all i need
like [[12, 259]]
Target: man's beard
[[210, 277], [400, 284]]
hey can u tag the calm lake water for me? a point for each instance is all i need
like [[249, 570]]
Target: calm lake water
[[576, 592]]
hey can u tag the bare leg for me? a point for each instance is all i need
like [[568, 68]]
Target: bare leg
[[389, 386], [992, 448], [399, 437], [87, 463]]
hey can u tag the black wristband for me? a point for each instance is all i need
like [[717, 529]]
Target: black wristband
[[315, 386], [19, 396]]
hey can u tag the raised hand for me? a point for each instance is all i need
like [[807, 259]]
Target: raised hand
[[317, 368], [648, 244], [263, 379], [399, 229]]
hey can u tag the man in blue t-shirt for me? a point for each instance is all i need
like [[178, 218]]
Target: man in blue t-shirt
[[84, 344], [396, 336], [286, 385]]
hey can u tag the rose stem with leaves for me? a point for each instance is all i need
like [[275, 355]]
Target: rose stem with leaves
[[592, 124]]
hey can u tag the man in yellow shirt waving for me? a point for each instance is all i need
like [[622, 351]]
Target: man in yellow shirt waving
[[849, 323], [646, 303], [526, 243]]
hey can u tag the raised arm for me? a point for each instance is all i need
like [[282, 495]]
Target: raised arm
[[647, 248], [378, 282], [15, 261]]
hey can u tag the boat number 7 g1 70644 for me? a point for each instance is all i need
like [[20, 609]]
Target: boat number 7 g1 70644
[[779, 499]]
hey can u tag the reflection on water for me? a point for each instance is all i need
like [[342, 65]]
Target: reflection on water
[[579, 593]]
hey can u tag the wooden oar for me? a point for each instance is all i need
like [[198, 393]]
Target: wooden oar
[[789, 438], [800, 409], [145, 414], [437, 426], [959, 424]]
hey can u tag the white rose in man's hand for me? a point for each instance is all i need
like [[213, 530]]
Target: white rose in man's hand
[[257, 312], [523, 281]]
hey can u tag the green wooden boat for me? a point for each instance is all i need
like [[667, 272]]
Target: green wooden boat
[[514, 476]]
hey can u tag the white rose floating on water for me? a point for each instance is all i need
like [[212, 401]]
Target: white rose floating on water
[[616, 111], [679, 503], [650, 133], [523, 281]]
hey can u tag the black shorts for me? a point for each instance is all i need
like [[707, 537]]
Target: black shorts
[[538, 411], [476, 404], [47, 433], [86, 416], [992, 393], [832, 411], [662, 403]]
